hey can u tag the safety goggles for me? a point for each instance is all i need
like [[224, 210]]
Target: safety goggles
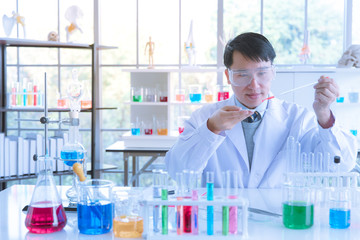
[[241, 78]]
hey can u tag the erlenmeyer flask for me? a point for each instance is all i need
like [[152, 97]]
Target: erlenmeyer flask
[[46, 213]]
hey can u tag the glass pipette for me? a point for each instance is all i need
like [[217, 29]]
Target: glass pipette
[[291, 90]]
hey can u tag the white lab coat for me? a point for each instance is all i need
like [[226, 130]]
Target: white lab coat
[[199, 149]]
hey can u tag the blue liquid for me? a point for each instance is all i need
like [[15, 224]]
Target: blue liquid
[[339, 218], [353, 132], [71, 155], [195, 97], [210, 209], [340, 99], [95, 219], [135, 131]]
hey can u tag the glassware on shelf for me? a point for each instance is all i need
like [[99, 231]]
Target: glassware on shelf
[[128, 219], [222, 92], [30, 93], [150, 95], [95, 207], [353, 96], [86, 101], [148, 127], [195, 93], [163, 97], [136, 127], [208, 95], [136, 94], [180, 95], [161, 127], [62, 101], [46, 213]]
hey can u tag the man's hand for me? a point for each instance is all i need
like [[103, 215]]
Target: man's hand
[[226, 118], [326, 91]]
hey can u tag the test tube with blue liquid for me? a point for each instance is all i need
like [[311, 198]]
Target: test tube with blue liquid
[[210, 197], [164, 208], [339, 215], [157, 174]]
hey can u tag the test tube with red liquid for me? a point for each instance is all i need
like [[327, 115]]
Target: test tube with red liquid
[[187, 196]]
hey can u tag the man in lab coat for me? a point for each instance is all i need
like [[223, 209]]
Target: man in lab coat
[[248, 135]]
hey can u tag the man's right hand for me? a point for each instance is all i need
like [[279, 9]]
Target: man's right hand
[[226, 118]]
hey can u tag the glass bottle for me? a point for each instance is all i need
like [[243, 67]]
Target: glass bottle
[[46, 213], [86, 101]]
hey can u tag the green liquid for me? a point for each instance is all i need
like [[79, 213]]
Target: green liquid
[[225, 220], [164, 212], [137, 98], [298, 215]]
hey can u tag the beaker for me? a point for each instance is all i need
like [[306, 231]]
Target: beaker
[[180, 95], [163, 96], [150, 94], [195, 93], [136, 94], [298, 207], [222, 92], [339, 213], [128, 220], [86, 101], [46, 213], [208, 95], [94, 207]]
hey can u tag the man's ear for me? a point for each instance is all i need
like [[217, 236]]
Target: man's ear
[[227, 76]]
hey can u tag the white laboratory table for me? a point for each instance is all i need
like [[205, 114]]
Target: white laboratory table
[[12, 219]]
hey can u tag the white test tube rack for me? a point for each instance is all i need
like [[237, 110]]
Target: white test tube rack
[[242, 204]]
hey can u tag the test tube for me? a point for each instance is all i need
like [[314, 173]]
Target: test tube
[[30, 94], [210, 197], [195, 184], [164, 208], [290, 147], [13, 93], [187, 196], [319, 162], [156, 195], [233, 194], [298, 157], [179, 197], [225, 209], [24, 92], [35, 94]]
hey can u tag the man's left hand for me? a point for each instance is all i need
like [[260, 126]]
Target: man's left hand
[[326, 91]]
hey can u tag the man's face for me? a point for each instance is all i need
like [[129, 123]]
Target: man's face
[[251, 80]]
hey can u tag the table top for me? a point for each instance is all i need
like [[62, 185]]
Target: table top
[[120, 147], [12, 219]]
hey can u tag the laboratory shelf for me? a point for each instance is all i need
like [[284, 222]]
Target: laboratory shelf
[[191, 103], [147, 103], [29, 109]]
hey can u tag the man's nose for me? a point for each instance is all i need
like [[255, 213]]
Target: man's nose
[[253, 83]]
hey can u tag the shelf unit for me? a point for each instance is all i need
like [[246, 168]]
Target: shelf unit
[[95, 116]]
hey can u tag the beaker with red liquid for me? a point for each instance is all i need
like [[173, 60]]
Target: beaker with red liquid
[[45, 213]]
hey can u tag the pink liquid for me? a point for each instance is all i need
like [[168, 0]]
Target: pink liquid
[[180, 97], [233, 221], [35, 95], [13, 97], [195, 214], [223, 96], [45, 219], [187, 218], [181, 129], [148, 131]]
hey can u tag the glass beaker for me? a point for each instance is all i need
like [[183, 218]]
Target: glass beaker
[[222, 92], [86, 101], [208, 95], [136, 94], [161, 127], [128, 220], [150, 94], [298, 207], [136, 127], [180, 95], [94, 207], [195, 93], [46, 213], [163, 96], [339, 213]]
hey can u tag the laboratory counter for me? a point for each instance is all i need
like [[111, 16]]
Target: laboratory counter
[[265, 205]]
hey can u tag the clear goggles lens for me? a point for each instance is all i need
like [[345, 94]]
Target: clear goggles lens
[[244, 77]]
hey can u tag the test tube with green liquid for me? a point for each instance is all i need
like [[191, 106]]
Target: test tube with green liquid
[[225, 209], [164, 208]]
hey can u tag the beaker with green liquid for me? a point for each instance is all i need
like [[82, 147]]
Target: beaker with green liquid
[[298, 207]]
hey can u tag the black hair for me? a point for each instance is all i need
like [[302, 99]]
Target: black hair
[[252, 46]]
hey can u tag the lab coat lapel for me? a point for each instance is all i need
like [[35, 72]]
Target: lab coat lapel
[[268, 139], [236, 135]]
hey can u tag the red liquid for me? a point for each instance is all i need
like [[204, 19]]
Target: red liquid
[[181, 129], [187, 218], [163, 98], [35, 95], [41, 219], [223, 96], [148, 131]]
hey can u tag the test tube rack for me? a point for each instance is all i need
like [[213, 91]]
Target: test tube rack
[[241, 203]]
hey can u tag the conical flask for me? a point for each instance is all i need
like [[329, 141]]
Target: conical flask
[[45, 213]]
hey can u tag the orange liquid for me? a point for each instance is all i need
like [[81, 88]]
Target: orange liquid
[[62, 103], [162, 131], [209, 98], [180, 97], [86, 103], [128, 226]]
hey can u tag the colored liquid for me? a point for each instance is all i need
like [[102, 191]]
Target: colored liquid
[[195, 97], [187, 218], [44, 219], [223, 96], [340, 99], [13, 97], [71, 155], [18, 99], [179, 217], [162, 131], [30, 98], [180, 97], [233, 217], [339, 218], [137, 98], [95, 218], [353, 132], [35, 96], [163, 98], [135, 131], [181, 129], [225, 220], [86, 103], [210, 209], [148, 131], [164, 212], [298, 215], [128, 226], [209, 98], [194, 213], [24, 98], [62, 103]]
